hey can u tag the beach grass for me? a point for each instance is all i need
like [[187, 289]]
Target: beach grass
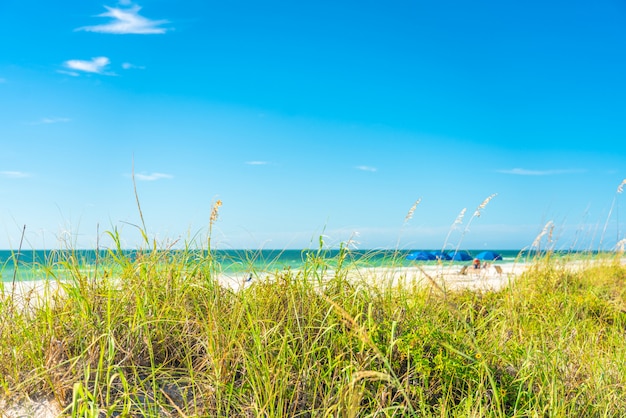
[[158, 334]]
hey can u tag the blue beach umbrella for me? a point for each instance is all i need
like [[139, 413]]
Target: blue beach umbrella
[[440, 255], [460, 255], [420, 256], [488, 255]]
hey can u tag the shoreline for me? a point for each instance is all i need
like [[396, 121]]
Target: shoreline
[[450, 276]]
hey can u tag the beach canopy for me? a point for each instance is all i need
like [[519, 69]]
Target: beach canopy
[[460, 255], [440, 255], [488, 255], [420, 256]]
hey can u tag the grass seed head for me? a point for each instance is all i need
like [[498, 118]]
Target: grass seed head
[[547, 229], [459, 218], [352, 242], [215, 211], [410, 214], [483, 205]]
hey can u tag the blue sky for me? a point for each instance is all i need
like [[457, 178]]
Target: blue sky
[[313, 118]]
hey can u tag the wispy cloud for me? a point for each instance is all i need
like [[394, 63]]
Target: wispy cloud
[[526, 172], [129, 66], [15, 174], [127, 21], [97, 65], [257, 162], [366, 168], [47, 121], [152, 176]]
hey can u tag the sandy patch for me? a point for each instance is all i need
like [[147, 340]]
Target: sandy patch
[[31, 408]]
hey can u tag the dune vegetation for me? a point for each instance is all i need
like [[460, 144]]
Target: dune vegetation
[[155, 333], [163, 337]]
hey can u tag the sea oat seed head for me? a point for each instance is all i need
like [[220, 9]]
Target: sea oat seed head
[[482, 205], [352, 243], [459, 219], [620, 188], [548, 228], [410, 214], [551, 232], [215, 211]]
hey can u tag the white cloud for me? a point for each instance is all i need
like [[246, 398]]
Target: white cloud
[[257, 163], [97, 65], [526, 172], [72, 73], [47, 121], [366, 168], [15, 174], [129, 66], [127, 21], [152, 176]]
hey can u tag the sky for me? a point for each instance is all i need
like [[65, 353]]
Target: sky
[[504, 121]]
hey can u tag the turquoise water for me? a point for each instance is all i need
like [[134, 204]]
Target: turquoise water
[[39, 264]]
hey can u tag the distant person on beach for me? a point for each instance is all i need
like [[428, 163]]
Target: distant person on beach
[[476, 263]]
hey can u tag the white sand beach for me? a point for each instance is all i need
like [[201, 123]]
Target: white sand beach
[[493, 277], [448, 276]]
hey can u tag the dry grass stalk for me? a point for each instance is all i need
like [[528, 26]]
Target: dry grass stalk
[[459, 218], [215, 211], [547, 229], [475, 215], [409, 215], [457, 221], [483, 205], [619, 247], [432, 281]]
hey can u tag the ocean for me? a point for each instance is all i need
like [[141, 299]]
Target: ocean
[[41, 264]]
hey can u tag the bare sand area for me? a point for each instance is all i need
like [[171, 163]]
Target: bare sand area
[[31, 408], [492, 277], [451, 277]]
